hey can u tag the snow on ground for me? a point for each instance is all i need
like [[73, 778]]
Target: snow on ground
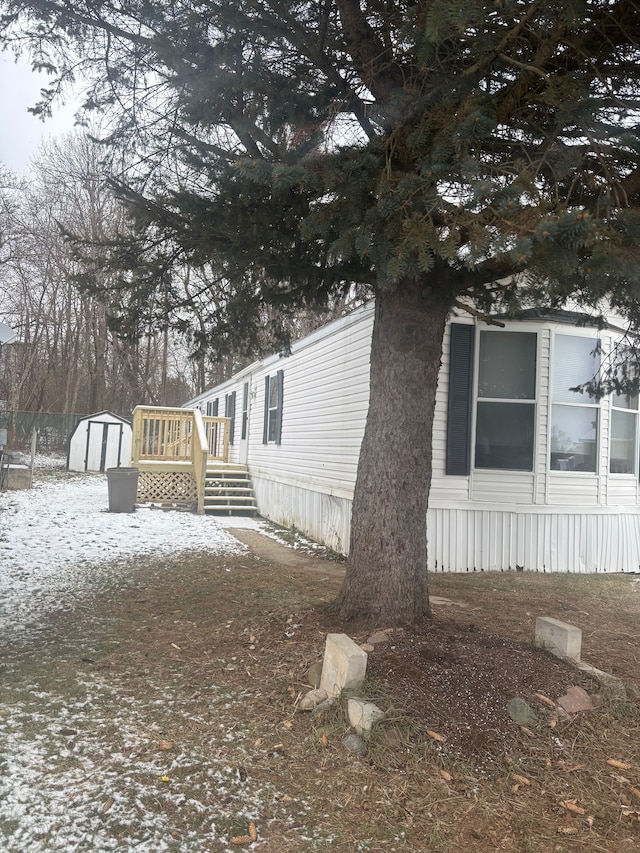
[[79, 765], [55, 538]]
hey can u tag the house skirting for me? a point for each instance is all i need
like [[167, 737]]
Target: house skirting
[[324, 517], [477, 538]]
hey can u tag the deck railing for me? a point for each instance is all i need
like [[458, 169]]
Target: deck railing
[[217, 433], [169, 435]]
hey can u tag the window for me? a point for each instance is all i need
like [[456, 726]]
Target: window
[[624, 431], [212, 408], [273, 387], [230, 412], [506, 392], [245, 409], [574, 416]]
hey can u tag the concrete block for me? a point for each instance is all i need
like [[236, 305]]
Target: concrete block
[[19, 477], [362, 715], [560, 638], [344, 666]]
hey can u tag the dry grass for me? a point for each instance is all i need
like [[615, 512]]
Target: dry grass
[[247, 629]]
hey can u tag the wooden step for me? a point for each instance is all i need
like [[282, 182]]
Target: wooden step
[[228, 491]]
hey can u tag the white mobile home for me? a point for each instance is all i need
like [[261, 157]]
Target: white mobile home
[[527, 474]]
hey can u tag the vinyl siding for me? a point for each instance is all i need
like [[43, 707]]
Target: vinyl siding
[[490, 520]]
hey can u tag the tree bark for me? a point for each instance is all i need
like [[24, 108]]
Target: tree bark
[[386, 580]]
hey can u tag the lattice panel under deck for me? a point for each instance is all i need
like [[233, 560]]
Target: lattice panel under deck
[[167, 487]]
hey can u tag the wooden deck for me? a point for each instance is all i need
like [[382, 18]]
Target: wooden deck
[[172, 449]]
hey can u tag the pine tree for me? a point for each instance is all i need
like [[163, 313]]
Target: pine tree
[[435, 153]]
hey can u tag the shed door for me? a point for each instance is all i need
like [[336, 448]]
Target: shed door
[[104, 446]]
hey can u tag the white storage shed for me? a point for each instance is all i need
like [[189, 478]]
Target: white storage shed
[[99, 442]]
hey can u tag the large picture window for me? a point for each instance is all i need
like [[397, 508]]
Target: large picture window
[[574, 416], [506, 393]]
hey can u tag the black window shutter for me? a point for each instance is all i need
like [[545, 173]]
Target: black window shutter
[[265, 430], [280, 380], [460, 399]]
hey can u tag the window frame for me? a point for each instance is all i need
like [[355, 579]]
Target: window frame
[[578, 404], [272, 427], [532, 403], [632, 412], [245, 410]]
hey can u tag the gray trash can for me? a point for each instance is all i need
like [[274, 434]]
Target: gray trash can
[[123, 489]]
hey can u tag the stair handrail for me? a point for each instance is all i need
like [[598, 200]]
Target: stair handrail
[[200, 455]]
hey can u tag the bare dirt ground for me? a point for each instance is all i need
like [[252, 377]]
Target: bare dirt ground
[[248, 628]]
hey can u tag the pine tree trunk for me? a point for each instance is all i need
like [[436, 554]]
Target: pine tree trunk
[[386, 580]]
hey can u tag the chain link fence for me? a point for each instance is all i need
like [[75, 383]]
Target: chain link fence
[[53, 430]]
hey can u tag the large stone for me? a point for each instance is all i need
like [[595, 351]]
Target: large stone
[[521, 712], [559, 638], [344, 667], [362, 715], [575, 699], [355, 744], [605, 678], [314, 674], [312, 699]]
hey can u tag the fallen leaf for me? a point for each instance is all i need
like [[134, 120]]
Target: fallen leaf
[[324, 740], [241, 839], [572, 807], [521, 779], [527, 731], [107, 805], [163, 779], [288, 724], [165, 744], [568, 830], [445, 775], [621, 765], [635, 792], [436, 736], [174, 646], [253, 832]]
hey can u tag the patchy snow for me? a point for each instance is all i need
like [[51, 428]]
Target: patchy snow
[[51, 535], [80, 764]]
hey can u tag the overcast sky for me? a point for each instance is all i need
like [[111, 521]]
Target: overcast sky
[[20, 132]]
